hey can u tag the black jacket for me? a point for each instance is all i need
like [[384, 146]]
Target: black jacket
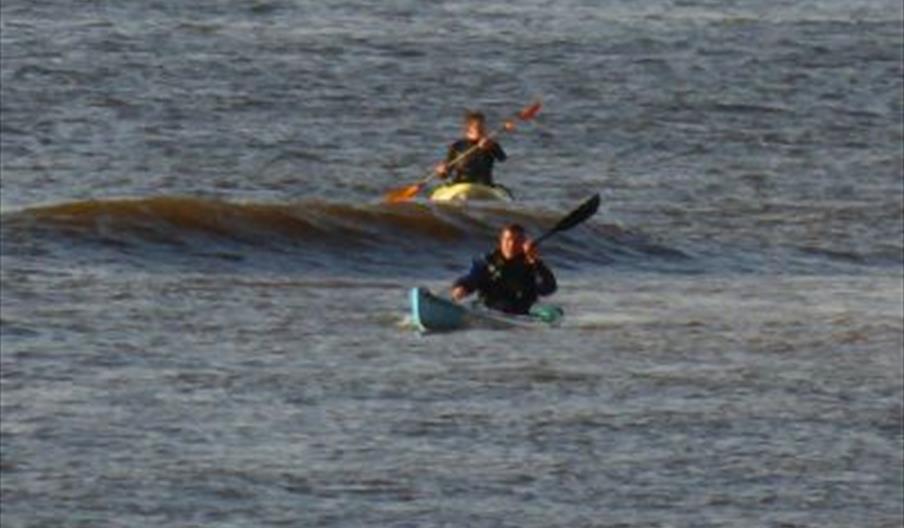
[[511, 286], [476, 167]]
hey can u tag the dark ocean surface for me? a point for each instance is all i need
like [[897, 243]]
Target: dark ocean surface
[[204, 294]]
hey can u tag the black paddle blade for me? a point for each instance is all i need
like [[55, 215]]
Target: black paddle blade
[[583, 212]]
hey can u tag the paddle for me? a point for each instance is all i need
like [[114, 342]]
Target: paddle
[[583, 212], [403, 194]]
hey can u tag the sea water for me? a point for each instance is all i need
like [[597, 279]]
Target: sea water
[[204, 296]]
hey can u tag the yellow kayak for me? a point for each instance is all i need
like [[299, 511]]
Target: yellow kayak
[[469, 191]]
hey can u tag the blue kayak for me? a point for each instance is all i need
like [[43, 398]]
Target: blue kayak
[[430, 312]]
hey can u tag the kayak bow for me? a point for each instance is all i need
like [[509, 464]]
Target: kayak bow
[[432, 313]]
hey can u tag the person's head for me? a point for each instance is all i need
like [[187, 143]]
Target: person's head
[[511, 241], [475, 124]]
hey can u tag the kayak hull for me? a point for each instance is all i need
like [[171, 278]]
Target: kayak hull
[[432, 313], [469, 192]]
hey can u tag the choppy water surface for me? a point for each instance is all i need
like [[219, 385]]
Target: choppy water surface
[[204, 297]]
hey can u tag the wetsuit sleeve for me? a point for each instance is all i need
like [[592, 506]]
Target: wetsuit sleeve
[[498, 153], [452, 152], [546, 281], [475, 277], [455, 151]]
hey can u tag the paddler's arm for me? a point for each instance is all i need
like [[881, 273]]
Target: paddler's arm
[[497, 152], [446, 168], [467, 284], [545, 280], [494, 149], [442, 168]]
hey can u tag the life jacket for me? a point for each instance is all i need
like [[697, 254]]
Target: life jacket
[[476, 167], [510, 284]]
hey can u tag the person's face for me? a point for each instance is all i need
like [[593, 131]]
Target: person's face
[[474, 129], [511, 244]]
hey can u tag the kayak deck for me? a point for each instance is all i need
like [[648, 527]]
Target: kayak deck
[[470, 191], [432, 313]]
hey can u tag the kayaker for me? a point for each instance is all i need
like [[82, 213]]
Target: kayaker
[[477, 165], [511, 278]]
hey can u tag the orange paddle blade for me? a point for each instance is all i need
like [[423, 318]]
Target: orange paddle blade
[[403, 194], [530, 111]]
